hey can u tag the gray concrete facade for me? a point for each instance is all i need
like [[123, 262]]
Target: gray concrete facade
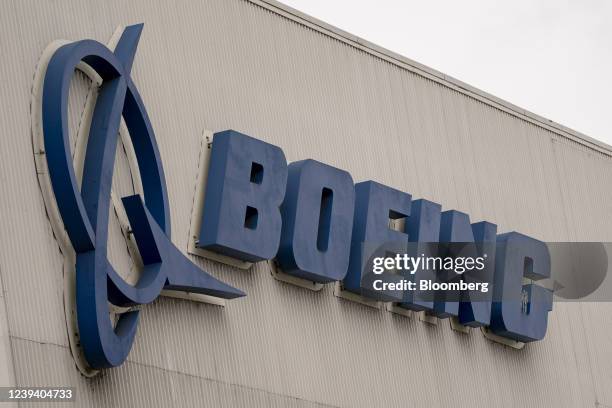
[[268, 71]]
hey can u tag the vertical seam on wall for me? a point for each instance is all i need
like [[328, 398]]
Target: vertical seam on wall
[[203, 145], [8, 330], [588, 352], [570, 230]]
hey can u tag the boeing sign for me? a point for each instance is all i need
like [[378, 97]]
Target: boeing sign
[[310, 217], [321, 227]]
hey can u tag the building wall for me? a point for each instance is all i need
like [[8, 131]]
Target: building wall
[[263, 70]]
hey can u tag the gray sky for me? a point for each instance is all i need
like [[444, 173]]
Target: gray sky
[[552, 57]]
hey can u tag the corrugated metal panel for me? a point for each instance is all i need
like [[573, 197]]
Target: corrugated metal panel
[[7, 375], [232, 64]]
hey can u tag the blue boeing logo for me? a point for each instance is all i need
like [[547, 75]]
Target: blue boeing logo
[[311, 218], [85, 211]]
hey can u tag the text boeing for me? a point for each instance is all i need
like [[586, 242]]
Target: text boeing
[[323, 228]]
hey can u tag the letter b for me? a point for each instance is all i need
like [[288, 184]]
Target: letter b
[[245, 188]]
